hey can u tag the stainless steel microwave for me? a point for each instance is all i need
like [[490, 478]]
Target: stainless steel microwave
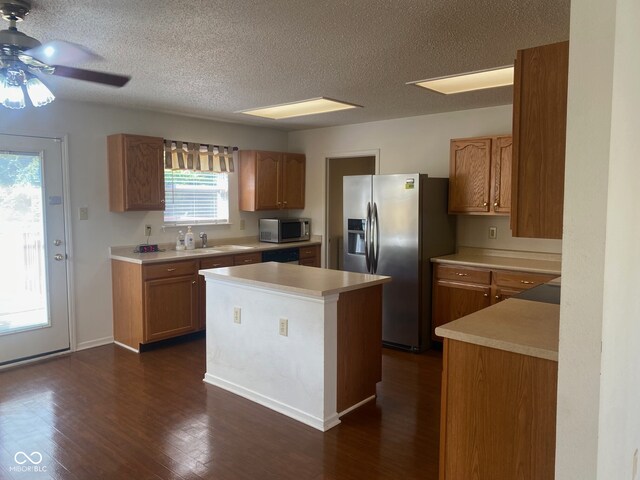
[[281, 230]]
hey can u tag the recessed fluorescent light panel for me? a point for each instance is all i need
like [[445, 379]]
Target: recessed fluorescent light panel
[[468, 82], [298, 109]]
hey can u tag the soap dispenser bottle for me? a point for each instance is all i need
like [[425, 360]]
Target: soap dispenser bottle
[[188, 239], [180, 240]]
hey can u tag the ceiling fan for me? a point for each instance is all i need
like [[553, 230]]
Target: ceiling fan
[[23, 59]]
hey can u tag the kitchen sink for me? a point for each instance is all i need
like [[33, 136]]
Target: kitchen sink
[[225, 248]]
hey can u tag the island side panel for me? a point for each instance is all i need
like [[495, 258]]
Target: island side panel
[[285, 373], [499, 414], [359, 345]]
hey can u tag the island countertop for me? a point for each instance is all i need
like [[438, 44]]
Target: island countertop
[[311, 281], [513, 325]]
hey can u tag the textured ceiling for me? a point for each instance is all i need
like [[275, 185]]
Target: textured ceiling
[[212, 58]]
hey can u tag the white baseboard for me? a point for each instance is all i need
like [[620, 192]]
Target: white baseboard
[[296, 414], [98, 342]]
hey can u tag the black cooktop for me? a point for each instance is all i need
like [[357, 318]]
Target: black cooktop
[[542, 293]]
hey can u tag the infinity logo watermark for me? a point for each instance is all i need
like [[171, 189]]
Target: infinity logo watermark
[[22, 458]]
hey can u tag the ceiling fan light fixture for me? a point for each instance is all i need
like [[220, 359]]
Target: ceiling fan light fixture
[[468, 82], [11, 94], [311, 106], [39, 93]]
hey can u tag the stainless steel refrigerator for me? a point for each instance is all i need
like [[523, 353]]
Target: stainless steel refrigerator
[[394, 225]]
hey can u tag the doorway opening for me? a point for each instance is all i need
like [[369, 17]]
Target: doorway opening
[[337, 169]]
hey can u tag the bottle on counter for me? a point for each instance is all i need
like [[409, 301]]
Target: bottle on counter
[[189, 240], [180, 241]]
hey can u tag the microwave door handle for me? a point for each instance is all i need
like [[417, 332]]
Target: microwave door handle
[[367, 235]]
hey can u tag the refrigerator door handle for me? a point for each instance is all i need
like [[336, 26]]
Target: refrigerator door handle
[[367, 238], [375, 241]]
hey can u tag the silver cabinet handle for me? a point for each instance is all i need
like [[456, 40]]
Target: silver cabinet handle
[[193, 282], [462, 274], [526, 282], [486, 294], [495, 204], [497, 297], [58, 257], [171, 269], [485, 204]]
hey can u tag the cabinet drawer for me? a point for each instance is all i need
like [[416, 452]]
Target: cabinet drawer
[[216, 262], [464, 274], [309, 262], [246, 258], [309, 252], [520, 280], [170, 269]]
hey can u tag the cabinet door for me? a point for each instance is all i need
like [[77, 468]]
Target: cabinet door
[[452, 300], [501, 160], [470, 175], [539, 133], [293, 180], [171, 307], [268, 165], [144, 173]]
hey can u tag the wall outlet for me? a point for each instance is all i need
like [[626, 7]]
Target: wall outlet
[[242, 224], [284, 327], [493, 233], [237, 318], [83, 213], [147, 230]]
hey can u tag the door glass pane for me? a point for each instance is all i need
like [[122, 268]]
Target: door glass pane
[[23, 302]]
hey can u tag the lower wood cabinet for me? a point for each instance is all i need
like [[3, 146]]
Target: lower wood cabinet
[[498, 418], [459, 290], [157, 301]]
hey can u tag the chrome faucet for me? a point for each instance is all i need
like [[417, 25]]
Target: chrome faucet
[[203, 237]]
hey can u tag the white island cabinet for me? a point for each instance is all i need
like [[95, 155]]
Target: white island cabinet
[[303, 341]]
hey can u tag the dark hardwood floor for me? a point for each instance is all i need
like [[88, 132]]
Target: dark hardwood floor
[[110, 413]]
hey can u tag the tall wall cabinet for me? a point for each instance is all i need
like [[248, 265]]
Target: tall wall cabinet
[[271, 180], [539, 137], [136, 172]]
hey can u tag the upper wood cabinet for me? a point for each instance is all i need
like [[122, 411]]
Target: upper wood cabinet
[[271, 180], [480, 175], [136, 172], [539, 134]]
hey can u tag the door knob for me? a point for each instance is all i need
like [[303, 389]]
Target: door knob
[[58, 257], [57, 242]]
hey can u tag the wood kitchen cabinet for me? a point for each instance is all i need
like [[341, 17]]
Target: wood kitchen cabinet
[[271, 180], [539, 137], [480, 175], [136, 172], [498, 418], [153, 302], [459, 290], [310, 256]]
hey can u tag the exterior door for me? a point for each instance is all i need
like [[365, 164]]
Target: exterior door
[[34, 311]]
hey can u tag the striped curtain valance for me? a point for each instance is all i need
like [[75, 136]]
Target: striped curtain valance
[[200, 157]]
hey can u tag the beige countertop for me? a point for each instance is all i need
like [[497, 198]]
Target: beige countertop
[[312, 281], [533, 262], [126, 254], [514, 325]]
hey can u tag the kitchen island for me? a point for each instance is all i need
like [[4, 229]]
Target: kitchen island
[[303, 341]]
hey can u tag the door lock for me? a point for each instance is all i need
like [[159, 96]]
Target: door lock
[[57, 242], [58, 257]]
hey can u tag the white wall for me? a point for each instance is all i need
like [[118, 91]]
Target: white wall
[[87, 126], [598, 425], [408, 145]]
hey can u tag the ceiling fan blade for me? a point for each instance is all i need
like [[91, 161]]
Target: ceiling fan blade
[[91, 75], [59, 52]]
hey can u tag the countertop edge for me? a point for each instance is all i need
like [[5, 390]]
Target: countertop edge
[[495, 266]]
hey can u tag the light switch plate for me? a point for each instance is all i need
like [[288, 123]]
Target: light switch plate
[[493, 233], [83, 213]]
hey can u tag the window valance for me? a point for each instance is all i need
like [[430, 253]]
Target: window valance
[[200, 157]]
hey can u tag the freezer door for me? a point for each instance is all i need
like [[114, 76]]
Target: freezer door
[[356, 198], [396, 237]]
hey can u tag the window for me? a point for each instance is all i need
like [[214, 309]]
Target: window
[[193, 197]]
